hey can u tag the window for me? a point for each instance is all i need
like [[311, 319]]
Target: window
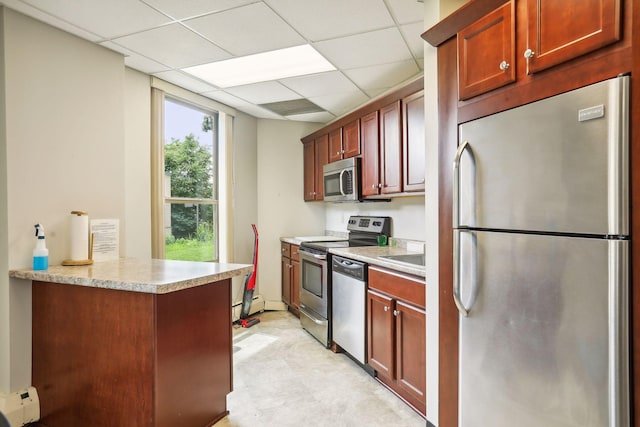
[[191, 171], [190, 182]]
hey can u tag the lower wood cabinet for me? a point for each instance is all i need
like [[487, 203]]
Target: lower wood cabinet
[[291, 277], [396, 332]]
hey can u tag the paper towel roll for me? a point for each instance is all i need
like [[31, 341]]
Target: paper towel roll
[[79, 236]]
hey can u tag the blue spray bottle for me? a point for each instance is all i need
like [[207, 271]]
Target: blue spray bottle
[[40, 252]]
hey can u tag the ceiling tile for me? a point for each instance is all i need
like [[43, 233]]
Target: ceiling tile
[[320, 84], [383, 76], [51, 20], [406, 11], [322, 117], [174, 46], [242, 105], [411, 33], [362, 50], [263, 93], [340, 103], [189, 8], [136, 61], [180, 79], [106, 18], [246, 30], [327, 19]]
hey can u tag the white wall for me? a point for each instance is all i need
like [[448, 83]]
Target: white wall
[[407, 215], [64, 151], [137, 172], [245, 200], [281, 208]]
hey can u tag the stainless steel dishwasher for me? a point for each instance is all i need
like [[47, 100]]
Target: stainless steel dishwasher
[[349, 280]]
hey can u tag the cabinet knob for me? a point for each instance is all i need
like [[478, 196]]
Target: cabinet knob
[[504, 65], [379, 185], [396, 312], [373, 186], [337, 153], [529, 53], [386, 308], [342, 151]]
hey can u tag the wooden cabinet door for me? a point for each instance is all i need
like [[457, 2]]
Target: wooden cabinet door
[[391, 149], [321, 159], [335, 145], [286, 280], [562, 30], [370, 154], [411, 353], [380, 333], [295, 284], [351, 139], [309, 153], [413, 143], [486, 52]]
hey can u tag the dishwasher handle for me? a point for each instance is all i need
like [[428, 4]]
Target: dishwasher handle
[[348, 267]]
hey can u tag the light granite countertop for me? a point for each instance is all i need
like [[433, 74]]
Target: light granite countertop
[[370, 254], [153, 276]]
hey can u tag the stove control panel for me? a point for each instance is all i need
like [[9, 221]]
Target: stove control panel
[[370, 224]]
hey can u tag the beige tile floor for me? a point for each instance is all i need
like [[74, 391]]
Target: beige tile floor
[[283, 377]]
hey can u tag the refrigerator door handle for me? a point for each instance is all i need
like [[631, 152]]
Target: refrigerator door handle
[[456, 184], [456, 274], [618, 333]]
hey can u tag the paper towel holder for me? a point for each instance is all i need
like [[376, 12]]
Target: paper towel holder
[[71, 262]]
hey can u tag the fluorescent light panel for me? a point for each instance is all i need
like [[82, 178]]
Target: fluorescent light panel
[[262, 67]]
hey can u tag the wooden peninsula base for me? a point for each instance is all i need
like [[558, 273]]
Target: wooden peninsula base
[[104, 357], [133, 343]]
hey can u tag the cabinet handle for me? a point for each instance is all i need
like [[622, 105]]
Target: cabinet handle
[[380, 185], [529, 53], [504, 65]]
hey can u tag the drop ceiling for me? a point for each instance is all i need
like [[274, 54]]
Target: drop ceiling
[[373, 44]]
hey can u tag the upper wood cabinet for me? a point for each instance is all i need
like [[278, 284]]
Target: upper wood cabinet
[[413, 143], [335, 145], [558, 31], [370, 154], [316, 155], [551, 32], [486, 53], [387, 135], [351, 139], [390, 149], [344, 142]]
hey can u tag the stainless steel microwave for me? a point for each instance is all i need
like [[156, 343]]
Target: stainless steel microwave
[[342, 180]]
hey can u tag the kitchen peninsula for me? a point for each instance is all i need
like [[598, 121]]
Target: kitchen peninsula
[[132, 342]]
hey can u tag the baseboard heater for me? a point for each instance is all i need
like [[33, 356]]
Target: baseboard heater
[[257, 305]]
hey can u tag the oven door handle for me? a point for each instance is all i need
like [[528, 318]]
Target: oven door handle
[[311, 316], [308, 254]]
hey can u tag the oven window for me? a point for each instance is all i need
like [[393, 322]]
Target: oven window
[[312, 278]]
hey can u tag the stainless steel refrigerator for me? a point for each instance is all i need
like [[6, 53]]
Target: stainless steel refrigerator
[[541, 263]]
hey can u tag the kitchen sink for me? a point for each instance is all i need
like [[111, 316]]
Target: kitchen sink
[[414, 259]]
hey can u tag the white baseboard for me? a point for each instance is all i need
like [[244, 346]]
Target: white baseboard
[[275, 306]]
